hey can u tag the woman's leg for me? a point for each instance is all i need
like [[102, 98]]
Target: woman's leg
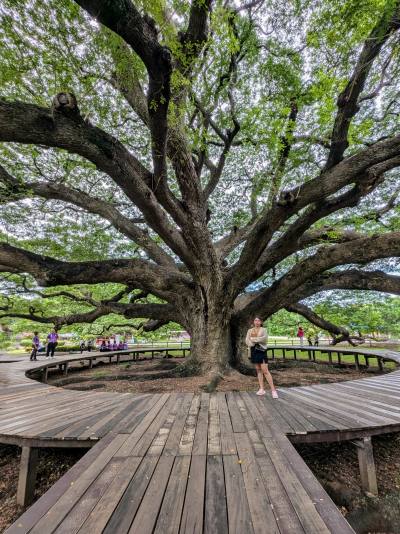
[[268, 376], [260, 375]]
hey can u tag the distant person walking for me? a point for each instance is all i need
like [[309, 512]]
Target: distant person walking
[[35, 346], [256, 340], [316, 340], [90, 345], [82, 346], [300, 335], [52, 340]]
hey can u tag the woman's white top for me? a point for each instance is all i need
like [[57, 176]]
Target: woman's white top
[[261, 339]]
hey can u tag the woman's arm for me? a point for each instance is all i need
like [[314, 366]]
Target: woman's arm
[[262, 338]]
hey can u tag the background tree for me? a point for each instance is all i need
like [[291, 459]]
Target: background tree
[[216, 160]]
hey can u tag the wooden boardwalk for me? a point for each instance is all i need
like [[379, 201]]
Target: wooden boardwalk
[[185, 463]]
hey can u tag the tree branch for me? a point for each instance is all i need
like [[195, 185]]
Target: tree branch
[[134, 272], [349, 98], [27, 123], [365, 168], [12, 189], [319, 321], [288, 288]]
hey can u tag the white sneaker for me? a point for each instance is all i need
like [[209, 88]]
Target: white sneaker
[[275, 394], [260, 392]]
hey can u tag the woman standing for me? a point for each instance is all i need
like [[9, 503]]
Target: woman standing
[[256, 339]]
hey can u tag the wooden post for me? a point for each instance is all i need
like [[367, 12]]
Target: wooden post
[[284, 354], [45, 374], [380, 364], [273, 354], [27, 475], [367, 465], [66, 368], [330, 357], [90, 363], [356, 361], [366, 358], [310, 354], [339, 358], [295, 354]]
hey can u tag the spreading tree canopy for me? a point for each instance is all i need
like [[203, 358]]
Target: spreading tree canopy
[[199, 162]]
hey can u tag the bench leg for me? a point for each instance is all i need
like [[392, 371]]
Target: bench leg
[[367, 465], [27, 476], [45, 374], [90, 364], [66, 368]]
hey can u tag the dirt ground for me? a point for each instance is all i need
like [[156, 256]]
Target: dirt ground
[[53, 463], [151, 376], [336, 467], [326, 460]]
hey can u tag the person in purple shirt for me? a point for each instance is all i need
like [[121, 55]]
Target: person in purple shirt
[[35, 346], [52, 339]]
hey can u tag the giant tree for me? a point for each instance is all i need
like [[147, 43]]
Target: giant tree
[[217, 160]]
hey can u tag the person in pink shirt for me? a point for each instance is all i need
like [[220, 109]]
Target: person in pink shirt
[[300, 335], [52, 340]]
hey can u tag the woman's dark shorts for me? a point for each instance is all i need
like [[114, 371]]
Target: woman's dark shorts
[[258, 356]]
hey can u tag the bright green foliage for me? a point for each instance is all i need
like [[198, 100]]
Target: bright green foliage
[[299, 51]]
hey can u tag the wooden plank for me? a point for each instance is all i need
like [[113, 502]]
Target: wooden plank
[[125, 511], [257, 420], [366, 406], [228, 445], [158, 443], [79, 513], [140, 448], [325, 408], [174, 437], [215, 512], [40, 508], [200, 438], [170, 514], [344, 407], [300, 500], [235, 414], [326, 508], [259, 504], [111, 416], [192, 515], [189, 430], [285, 514], [143, 426], [239, 517], [248, 421], [59, 510], [147, 513], [214, 432], [101, 513]]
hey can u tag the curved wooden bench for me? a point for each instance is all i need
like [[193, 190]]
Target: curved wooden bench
[[190, 463]]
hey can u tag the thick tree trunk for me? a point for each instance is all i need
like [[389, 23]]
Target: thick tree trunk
[[217, 340], [208, 320]]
